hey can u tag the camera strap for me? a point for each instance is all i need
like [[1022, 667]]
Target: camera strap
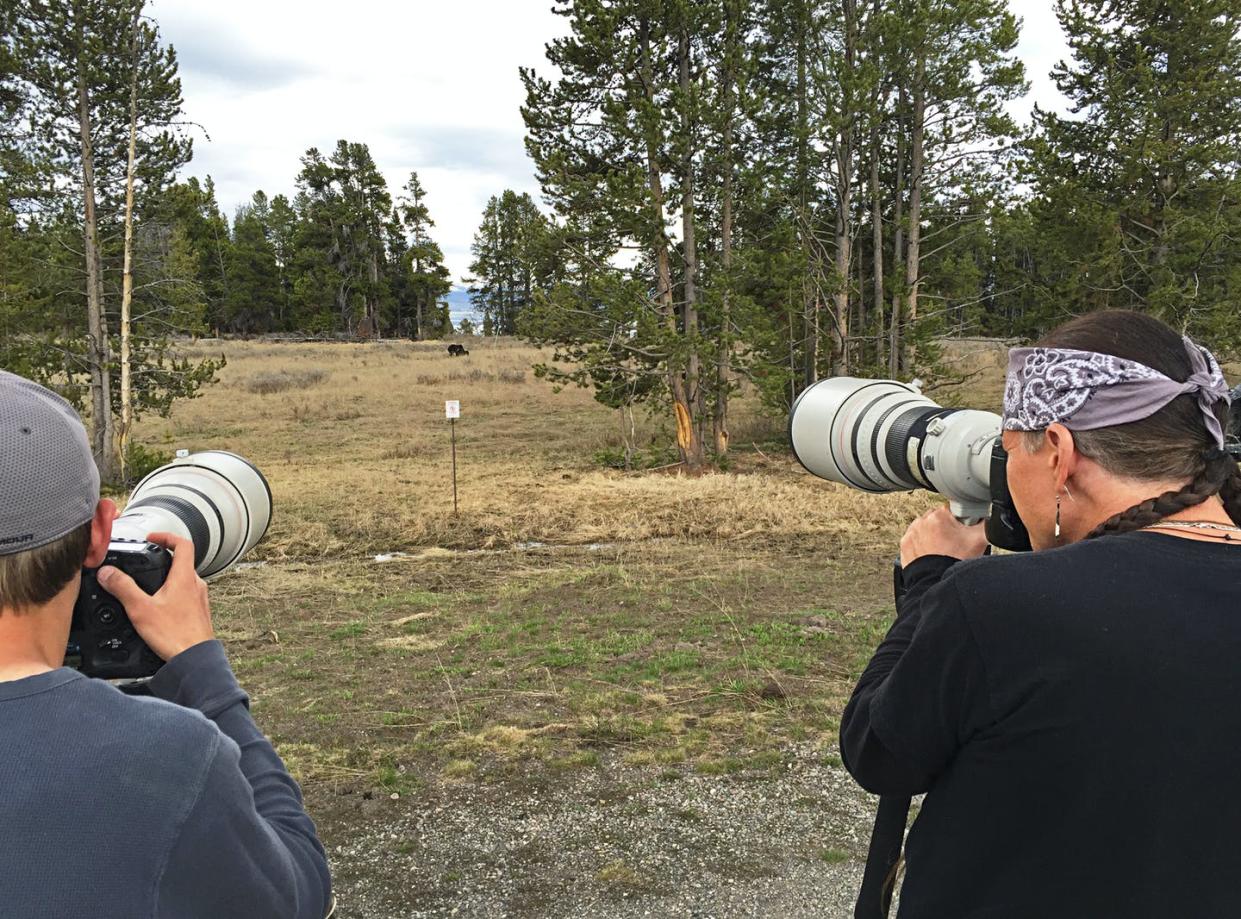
[[874, 899], [887, 837]]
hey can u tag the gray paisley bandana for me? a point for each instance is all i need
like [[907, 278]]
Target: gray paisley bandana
[[1084, 389]]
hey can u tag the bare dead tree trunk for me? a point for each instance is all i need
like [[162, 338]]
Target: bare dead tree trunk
[[693, 377], [723, 363], [98, 349], [916, 142], [898, 243], [876, 228], [844, 198], [127, 279], [688, 443]]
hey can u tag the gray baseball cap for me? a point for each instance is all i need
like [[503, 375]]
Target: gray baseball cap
[[49, 484]]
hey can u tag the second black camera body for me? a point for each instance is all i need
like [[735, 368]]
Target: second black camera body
[[102, 640]]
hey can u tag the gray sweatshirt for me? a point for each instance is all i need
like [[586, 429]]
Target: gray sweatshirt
[[119, 807]]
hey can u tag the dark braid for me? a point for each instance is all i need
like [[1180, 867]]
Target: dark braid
[[1230, 492], [1215, 475], [1171, 444]]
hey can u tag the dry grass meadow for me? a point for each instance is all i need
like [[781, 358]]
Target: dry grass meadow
[[569, 620]]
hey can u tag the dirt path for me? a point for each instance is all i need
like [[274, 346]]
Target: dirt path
[[611, 841]]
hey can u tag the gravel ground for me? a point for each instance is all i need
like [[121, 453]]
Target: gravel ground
[[612, 841]]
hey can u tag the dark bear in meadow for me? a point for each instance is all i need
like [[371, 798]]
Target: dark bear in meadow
[[457, 350]]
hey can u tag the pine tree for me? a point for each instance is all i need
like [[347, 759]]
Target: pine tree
[[616, 140], [428, 279], [1139, 189], [961, 73], [252, 303], [341, 242], [190, 209], [85, 88], [282, 233], [513, 260]]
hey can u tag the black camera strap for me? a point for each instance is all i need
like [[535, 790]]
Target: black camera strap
[[874, 899], [887, 837]]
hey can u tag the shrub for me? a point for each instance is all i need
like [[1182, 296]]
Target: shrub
[[270, 382]]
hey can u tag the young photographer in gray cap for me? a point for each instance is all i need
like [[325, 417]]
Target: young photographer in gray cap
[[1074, 713], [113, 806]]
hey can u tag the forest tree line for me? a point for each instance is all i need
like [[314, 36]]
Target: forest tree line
[[107, 256], [762, 190], [782, 190]]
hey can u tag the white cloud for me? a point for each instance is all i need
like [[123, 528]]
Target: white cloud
[[1042, 45], [429, 86]]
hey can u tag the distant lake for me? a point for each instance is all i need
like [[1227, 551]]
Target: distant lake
[[460, 307]]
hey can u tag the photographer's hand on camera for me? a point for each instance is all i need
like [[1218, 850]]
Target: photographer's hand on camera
[[178, 615], [937, 532]]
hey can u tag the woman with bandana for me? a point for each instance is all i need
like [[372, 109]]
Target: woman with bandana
[[1074, 713]]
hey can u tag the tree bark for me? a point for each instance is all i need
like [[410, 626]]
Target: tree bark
[[844, 200], [418, 295], [688, 443], [98, 348], [693, 377], [810, 297], [876, 221], [723, 363], [127, 280], [372, 296], [898, 243], [917, 135]]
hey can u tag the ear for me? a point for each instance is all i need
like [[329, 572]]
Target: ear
[[100, 532], [1064, 456]]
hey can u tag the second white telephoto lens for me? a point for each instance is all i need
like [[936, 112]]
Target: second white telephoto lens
[[215, 498]]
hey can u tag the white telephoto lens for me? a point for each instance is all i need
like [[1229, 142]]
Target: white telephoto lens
[[883, 436], [217, 499]]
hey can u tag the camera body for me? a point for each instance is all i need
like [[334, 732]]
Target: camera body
[[102, 641]]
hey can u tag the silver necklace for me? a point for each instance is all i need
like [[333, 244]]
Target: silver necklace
[[1196, 525], [1205, 527]]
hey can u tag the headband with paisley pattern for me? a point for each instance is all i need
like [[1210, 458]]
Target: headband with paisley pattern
[[1085, 389]]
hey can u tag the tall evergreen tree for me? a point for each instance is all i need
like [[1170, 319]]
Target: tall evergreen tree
[[617, 140], [254, 275], [1138, 198], [513, 260], [86, 86], [428, 279]]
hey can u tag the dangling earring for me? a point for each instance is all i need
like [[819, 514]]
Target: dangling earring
[[1057, 516]]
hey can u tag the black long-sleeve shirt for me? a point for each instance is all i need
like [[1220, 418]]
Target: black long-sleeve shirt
[[117, 807], [1075, 718]]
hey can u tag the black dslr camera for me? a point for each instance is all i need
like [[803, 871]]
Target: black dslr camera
[[218, 500], [102, 641]]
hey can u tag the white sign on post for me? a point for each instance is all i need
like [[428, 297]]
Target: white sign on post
[[452, 409]]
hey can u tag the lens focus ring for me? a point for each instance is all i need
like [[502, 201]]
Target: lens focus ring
[[187, 513]]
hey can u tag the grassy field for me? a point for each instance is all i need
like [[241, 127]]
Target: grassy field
[[569, 620]]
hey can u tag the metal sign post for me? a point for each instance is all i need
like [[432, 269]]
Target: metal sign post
[[452, 411]]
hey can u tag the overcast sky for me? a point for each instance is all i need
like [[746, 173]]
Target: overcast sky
[[429, 86]]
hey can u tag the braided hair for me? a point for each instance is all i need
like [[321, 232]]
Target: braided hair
[[1172, 443]]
